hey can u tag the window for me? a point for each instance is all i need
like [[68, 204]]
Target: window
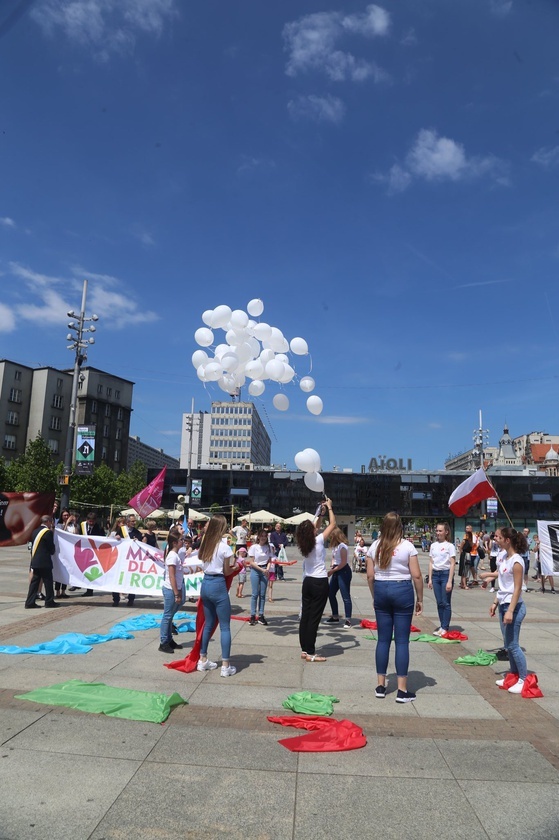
[[55, 423], [13, 418], [94, 406], [104, 453], [15, 395], [53, 446], [109, 392], [99, 389], [57, 401], [119, 414], [107, 410], [9, 441], [17, 376], [118, 434], [117, 455], [105, 431], [117, 394], [59, 384]]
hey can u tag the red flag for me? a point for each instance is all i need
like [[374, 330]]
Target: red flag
[[149, 499], [475, 489]]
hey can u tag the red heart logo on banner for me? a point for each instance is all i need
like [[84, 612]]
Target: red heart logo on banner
[[107, 556], [84, 557]]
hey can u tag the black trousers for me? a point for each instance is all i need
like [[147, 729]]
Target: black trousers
[[116, 598], [315, 595], [39, 575]]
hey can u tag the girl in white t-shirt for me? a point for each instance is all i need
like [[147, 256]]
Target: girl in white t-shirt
[[218, 563], [172, 589], [442, 560], [509, 602], [315, 579], [391, 566], [340, 578], [259, 558]]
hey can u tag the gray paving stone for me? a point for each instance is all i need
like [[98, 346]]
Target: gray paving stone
[[202, 803], [524, 810], [465, 707], [14, 721], [489, 760]]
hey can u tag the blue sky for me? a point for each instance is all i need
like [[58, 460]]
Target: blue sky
[[384, 177]]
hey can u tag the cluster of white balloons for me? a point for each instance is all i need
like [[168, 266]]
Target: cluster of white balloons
[[252, 350], [309, 461]]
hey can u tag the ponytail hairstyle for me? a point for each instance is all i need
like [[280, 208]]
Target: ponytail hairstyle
[[215, 529], [305, 537], [446, 527], [391, 533], [173, 540], [337, 537], [517, 539]]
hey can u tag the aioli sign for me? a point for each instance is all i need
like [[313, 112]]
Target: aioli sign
[[109, 565], [384, 463]]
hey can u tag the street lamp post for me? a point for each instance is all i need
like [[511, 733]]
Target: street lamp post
[[79, 345]]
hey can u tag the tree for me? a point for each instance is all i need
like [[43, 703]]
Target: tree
[[34, 471], [131, 482], [100, 488]]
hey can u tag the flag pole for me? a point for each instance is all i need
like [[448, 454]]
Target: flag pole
[[504, 508]]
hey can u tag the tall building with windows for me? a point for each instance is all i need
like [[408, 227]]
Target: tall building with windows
[[15, 395], [233, 433], [49, 408], [105, 401], [151, 457]]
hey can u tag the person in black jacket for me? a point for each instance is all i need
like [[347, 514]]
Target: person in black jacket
[[90, 528], [134, 534], [42, 550]]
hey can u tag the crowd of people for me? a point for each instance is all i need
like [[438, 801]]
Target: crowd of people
[[391, 563]]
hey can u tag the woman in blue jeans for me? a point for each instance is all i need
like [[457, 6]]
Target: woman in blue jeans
[[260, 556], [508, 600], [442, 560], [340, 578], [172, 589], [392, 565], [218, 562]]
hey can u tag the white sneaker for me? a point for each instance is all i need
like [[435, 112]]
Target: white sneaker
[[517, 687], [228, 671], [438, 632], [206, 666], [500, 682], [492, 589]]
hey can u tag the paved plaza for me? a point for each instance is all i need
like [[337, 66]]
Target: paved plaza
[[466, 760]]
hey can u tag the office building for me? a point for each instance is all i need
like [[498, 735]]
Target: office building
[[233, 433]]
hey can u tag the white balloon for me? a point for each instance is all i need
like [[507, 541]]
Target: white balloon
[[213, 371], [199, 357], [255, 344], [254, 369], [288, 374], [315, 404], [232, 338], [221, 316], [262, 331], [256, 388], [314, 481], [281, 402], [204, 337], [299, 346], [229, 362], [277, 341], [282, 358], [244, 352], [201, 373], [227, 383], [221, 350], [255, 307], [307, 384], [239, 319], [240, 378], [284, 347], [308, 460], [207, 317], [267, 356], [275, 369]]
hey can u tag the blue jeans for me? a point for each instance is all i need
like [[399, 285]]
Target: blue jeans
[[511, 632], [259, 583], [170, 606], [340, 581], [442, 597], [394, 603], [217, 608]]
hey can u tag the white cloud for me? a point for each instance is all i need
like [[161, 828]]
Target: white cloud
[[318, 108], [50, 298], [312, 44], [436, 158], [547, 156], [409, 39], [104, 26], [500, 8], [5, 221], [341, 420], [7, 319]]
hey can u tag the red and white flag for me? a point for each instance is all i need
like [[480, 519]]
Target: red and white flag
[[475, 489], [149, 499]]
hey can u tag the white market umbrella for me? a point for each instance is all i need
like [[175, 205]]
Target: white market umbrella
[[196, 516], [300, 517], [261, 516], [128, 512]]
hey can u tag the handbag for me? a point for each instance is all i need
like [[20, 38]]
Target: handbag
[[481, 552]]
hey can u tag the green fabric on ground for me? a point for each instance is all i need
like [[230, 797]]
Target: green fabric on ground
[[99, 698], [435, 640], [480, 658], [307, 703]]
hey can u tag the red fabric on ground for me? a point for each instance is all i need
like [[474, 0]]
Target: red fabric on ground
[[189, 663], [372, 625], [510, 679], [531, 689], [455, 635], [327, 734], [240, 618]]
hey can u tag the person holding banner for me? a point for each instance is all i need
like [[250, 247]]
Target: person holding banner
[[173, 591], [41, 564], [218, 562], [509, 602]]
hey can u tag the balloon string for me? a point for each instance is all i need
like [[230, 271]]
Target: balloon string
[[310, 358]]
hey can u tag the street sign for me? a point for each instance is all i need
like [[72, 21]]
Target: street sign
[[196, 492], [85, 450]]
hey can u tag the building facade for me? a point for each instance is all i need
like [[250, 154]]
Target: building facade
[[233, 433], [150, 456], [105, 401]]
